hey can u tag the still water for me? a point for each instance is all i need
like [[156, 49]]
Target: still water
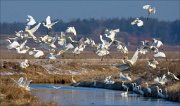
[[76, 96]]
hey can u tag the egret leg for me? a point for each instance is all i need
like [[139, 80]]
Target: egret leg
[[102, 58], [109, 56], [148, 16]]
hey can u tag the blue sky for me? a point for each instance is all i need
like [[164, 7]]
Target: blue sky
[[67, 10]]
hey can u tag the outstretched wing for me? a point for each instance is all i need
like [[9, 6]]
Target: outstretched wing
[[135, 57], [146, 7], [23, 44], [35, 28], [48, 20], [31, 20]]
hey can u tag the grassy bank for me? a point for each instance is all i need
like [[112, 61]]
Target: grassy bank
[[88, 71], [13, 95]]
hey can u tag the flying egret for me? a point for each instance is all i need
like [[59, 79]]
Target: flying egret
[[22, 49], [108, 80], [66, 48], [160, 80], [56, 87], [30, 20], [48, 42], [61, 39], [111, 34], [49, 24], [105, 44], [32, 31], [51, 56], [157, 43], [172, 75], [133, 60], [36, 53], [73, 41], [88, 41], [120, 47], [160, 54], [138, 22], [23, 82], [152, 63], [150, 9], [13, 44], [71, 30], [79, 49], [24, 64]]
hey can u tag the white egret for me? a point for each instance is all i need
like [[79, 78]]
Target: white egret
[[111, 34], [66, 48], [124, 77], [140, 90], [124, 86], [72, 78], [138, 22], [22, 49], [160, 54], [160, 80], [121, 47], [134, 87], [56, 87], [13, 44], [125, 94], [32, 31], [108, 80], [51, 56], [71, 30], [36, 53], [87, 41], [48, 42], [133, 60], [152, 63], [49, 24], [157, 43], [102, 52], [24, 64], [30, 20], [150, 9], [159, 93], [61, 39], [172, 75], [23, 82], [73, 41], [105, 44], [148, 89]]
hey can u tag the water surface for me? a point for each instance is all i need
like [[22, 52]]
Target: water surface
[[68, 95]]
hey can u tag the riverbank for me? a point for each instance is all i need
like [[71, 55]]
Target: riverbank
[[13, 95], [86, 72]]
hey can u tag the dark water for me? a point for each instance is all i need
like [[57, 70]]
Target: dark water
[[76, 96]]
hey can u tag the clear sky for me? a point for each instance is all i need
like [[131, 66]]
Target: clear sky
[[17, 10]]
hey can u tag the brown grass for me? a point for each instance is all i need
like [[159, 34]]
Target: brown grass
[[95, 70], [12, 94]]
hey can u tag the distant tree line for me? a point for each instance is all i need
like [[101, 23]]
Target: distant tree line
[[168, 32]]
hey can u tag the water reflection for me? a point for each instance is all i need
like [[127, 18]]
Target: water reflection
[[68, 95]]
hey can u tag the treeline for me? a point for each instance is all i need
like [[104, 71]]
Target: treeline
[[168, 32]]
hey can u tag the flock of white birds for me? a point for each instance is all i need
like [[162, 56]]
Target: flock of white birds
[[67, 42]]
